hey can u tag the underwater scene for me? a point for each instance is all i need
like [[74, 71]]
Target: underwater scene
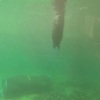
[[49, 49]]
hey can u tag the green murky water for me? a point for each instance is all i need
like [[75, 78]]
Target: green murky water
[[26, 46]]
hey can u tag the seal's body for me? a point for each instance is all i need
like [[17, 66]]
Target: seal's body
[[57, 34]]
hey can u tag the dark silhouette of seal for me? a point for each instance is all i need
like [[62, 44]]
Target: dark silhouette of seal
[[57, 33]]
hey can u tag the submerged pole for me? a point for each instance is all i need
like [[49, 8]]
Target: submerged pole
[[57, 32]]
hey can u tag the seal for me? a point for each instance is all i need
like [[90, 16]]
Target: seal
[[58, 24]]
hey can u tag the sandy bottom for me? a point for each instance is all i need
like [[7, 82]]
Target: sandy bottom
[[65, 92]]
